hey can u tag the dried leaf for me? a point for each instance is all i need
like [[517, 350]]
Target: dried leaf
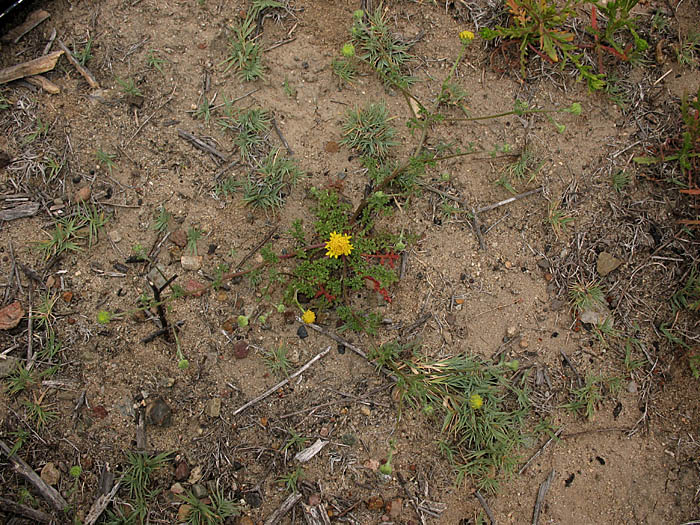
[[11, 315]]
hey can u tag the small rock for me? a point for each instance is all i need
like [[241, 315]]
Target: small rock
[[607, 263], [511, 331], [191, 262], [11, 315], [324, 432], [245, 520], [195, 475], [302, 333], [183, 512], [199, 491], [632, 387], [543, 264], [596, 315], [8, 365], [221, 296], [83, 194], [213, 407], [179, 238], [50, 474], [115, 236], [508, 265], [177, 488], [156, 274], [194, 287], [241, 349], [371, 464], [182, 471], [375, 503], [158, 412], [134, 100], [523, 344], [365, 410]]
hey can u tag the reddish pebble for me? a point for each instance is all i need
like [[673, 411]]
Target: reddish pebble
[[241, 350], [99, 412], [182, 471]]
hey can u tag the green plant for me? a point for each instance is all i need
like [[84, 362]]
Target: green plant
[[154, 61], [193, 235], [4, 103], [53, 167], [85, 53], [688, 50], [385, 468], [64, 237], [128, 87], [482, 412], [44, 316], [251, 126], [289, 90], [227, 187], [40, 130], [377, 46], [105, 159], [619, 180], [525, 168], [162, 219], [688, 297], [213, 512], [136, 479], [92, 219], [557, 218], [277, 361], [291, 479], [586, 296], [368, 130], [39, 414], [21, 436], [344, 69], [19, 380], [294, 441], [244, 52], [585, 399], [203, 111], [267, 186]]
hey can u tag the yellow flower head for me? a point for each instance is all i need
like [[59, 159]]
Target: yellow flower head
[[476, 401], [466, 37], [308, 317], [339, 244]]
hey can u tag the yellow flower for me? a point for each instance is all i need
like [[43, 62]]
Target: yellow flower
[[476, 401], [466, 37], [339, 244], [308, 317]]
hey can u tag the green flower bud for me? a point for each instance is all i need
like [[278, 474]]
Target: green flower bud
[[348, 50]]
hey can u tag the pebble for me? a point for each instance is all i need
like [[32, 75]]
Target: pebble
[[158, 412], [214, 407], [83, 194], [241, 349], [182, 471], [511, 331], [302, 333], [523, 343], [183, 512], [543, 264], [115, 236], [177, 488], [191, 262], [365, 410], [50, 474], [375, 503], [179, 238], [607, 263], [199, 490], [632, 387]]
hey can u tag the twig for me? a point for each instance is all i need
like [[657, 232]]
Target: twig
[[485, 506], [279, 134], [145, 121], [33, 67], [52, 37], [346, 344], [101, 504], [141, 441], [84, 72], [508, 201], [568, 363], [34, 19], [282, 383], [536, 454], [540, 496], [200, 144], [256, 248], [23, 510], [476, 223], [286, 506], [49, 493], [31, 358]]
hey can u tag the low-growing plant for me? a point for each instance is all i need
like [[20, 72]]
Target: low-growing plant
[[162, 219], [211, 512], [585, 399], [244, 52], [154, 61], [276, 360], [271, 181], [368, 131], [105, 159], [291, 479], [128, 87], [251, 127]]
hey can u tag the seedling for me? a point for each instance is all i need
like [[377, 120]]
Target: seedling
[[251, 127], [277, 361], [85, 53], [268, 185], [203, 111], [295, 441], [213, 512], [558, 219], [19, 380], [39, 414], [289, 90], [53, 168], [128, 87], [368, 131], [93, 220], [619, 180], [154, 61], [193, 235], [40, 130], [136, 480], [105, 159], [586, 296], [244, 53], [64, 237], [291, 479], [162, 219], [585, 399]]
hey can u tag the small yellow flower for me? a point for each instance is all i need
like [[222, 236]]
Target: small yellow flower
[[476, 401], [466, 37], [308, 317], [339, 244]]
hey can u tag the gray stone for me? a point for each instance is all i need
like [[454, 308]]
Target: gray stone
[[158, 412], [157, 276], [213, 407], [607, 263], [199, 491], [8, 365], [191, 262]]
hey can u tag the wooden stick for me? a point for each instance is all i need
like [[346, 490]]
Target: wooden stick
[[49, 493], [23, 510], [279, 134], [536, 454], [101, 504], [200, 144], [508, 201], [486, 507], [84, 72], [34, 19], [286, 506], [44, 83], [33, 67], [540, 496], [282, 383], [26, 209], [316, 515]]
